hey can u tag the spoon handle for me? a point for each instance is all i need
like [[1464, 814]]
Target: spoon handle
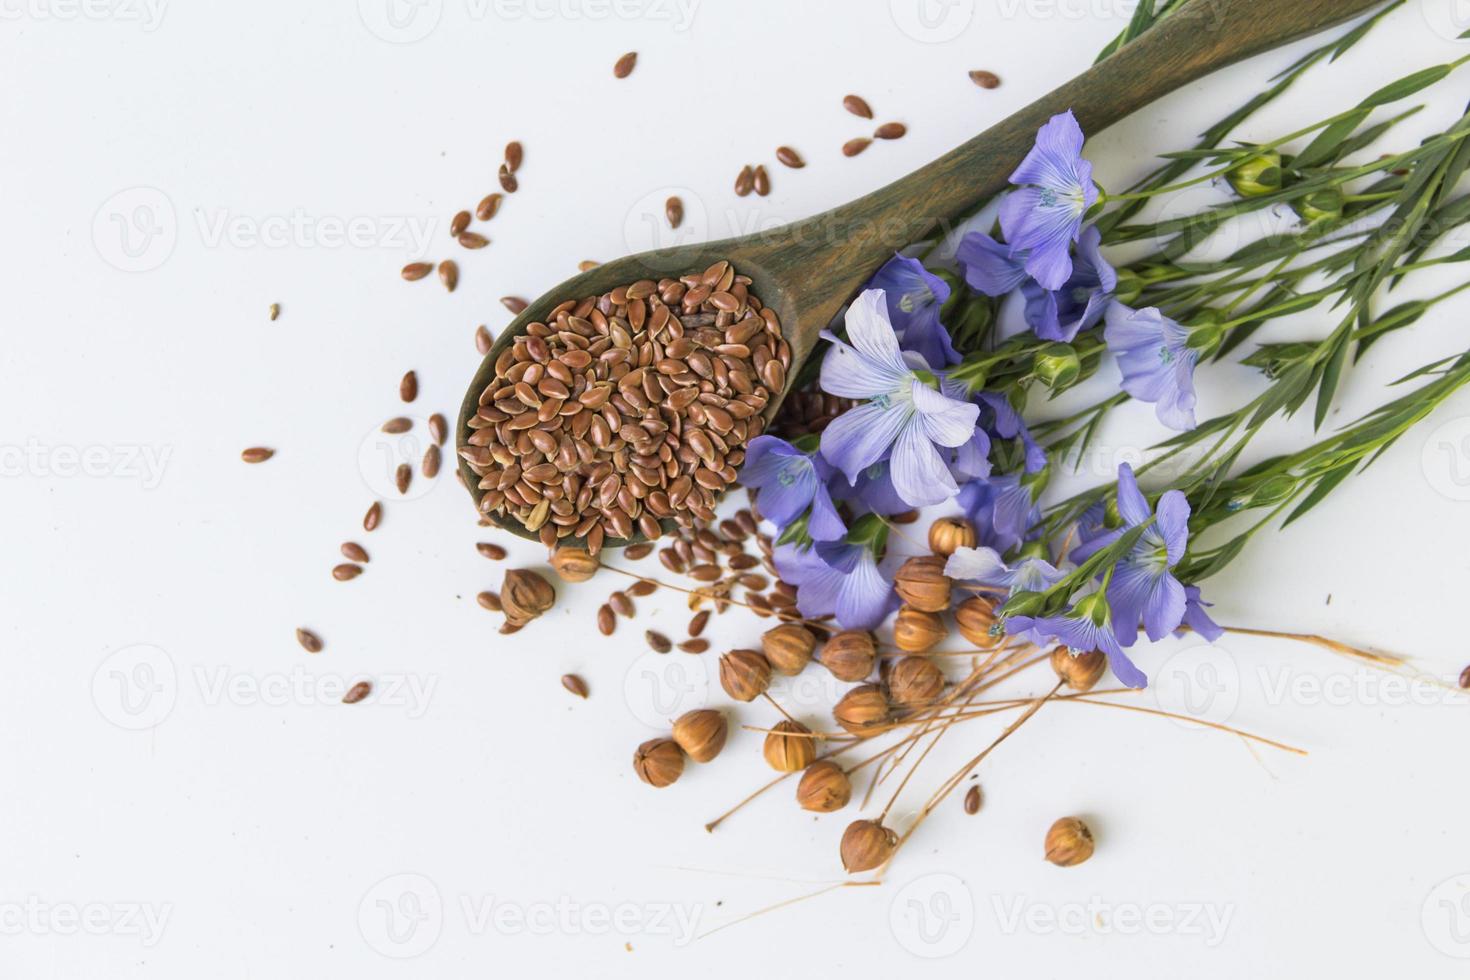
[[839, 249]]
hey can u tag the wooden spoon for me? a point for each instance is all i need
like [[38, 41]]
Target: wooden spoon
[[809, 269]]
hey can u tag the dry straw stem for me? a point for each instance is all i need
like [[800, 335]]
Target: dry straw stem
[[790, 901]]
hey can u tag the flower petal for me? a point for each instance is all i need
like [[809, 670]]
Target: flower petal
[[1164, 610], [981, 565], [864, 597], [1173, 524], [1132, 505], [824, 523], [919, 474], [946, 421], [988, 265], [860, 436]]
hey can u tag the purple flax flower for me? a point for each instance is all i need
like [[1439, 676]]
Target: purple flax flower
[[1142, 585], [1196, 618], [1043, 217], [971, 461], [905, 417], [1079, 304], [1002, 508], [791, 482], [837, 578], [914, 297], [873, 492], [1084, 629], [1156, 360], [989, 266], [984, 566]]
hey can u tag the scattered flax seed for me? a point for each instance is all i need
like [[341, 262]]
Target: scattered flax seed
[[1465, 678], [745, 181], [762, 181], [402, 477], [789, 157], [309, 641], [275, 310], [907, 517], [432, 460], [694, 646], [857, 105], [890, 131], [515, 304], [471, 240], [698, 623], [458, 224], [346, 572], [416, 270], [438, 429], [621, 604], [492, 551], [449, 272], [637, 552], [257, 454], [508, 181], [674, 211], [574, 684], [641, 588], [408, 387], [353, 551], [397, 426], [624, 66], [490, 601], [488, 208], [357, 692], [607, 620], [373, 517], [985, 79], [587, 265], [514, 154], [972, 800], [483, 340], [853, 147], [657, 641]]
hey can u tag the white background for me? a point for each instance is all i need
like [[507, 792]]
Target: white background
[[266, 824]]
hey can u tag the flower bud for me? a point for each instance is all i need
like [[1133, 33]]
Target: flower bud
[[915, 631], [916, 681], [824, 787], [949, 533], [975, 619], [1257, 176], [1080, 671], [867, 844], [1068, 842], [1130, 287], [658, 762], [1323, 205], [574, 564], [744, 674], [789, 747], [921, 583], [863, 711], [1057, 365], [789, 647], [849, 655], [701, 733], [525, 595]]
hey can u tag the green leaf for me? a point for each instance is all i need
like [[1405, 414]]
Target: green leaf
[[1406, 86], [1319, 492], [1326, 145]]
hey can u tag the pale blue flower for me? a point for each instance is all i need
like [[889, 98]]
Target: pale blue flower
[[1043, 217], [1156, 360], [792, 483], [915, 296]]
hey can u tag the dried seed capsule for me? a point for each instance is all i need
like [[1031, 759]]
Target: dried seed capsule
[[789, 747], [863, 711], [525, 595], [916, 681], [975, 619], [744, 674], [1080, 671], [824, 787], [921, 583], [867, 844], [950, 533], [788, 647], [915, 631], [1068, 842], [659, 762], [701, 733], [573, 564], [849, 655]]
